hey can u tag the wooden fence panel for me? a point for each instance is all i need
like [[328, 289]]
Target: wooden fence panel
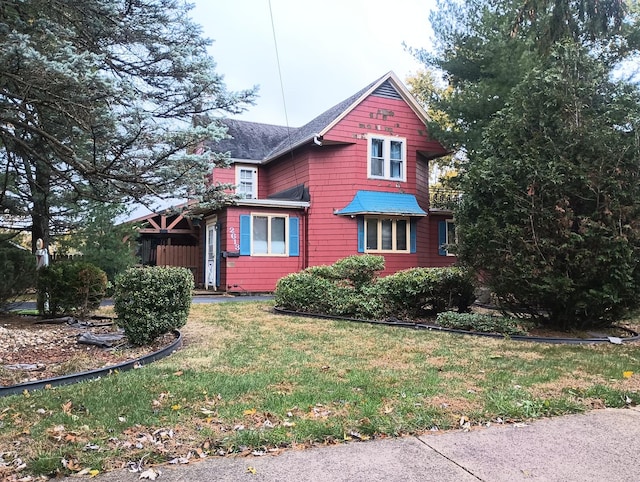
[[185, 256]]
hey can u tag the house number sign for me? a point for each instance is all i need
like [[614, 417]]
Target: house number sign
[[234, 238]]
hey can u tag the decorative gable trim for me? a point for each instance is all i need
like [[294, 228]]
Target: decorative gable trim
[[387, 91], [388, 84], [392, 80]]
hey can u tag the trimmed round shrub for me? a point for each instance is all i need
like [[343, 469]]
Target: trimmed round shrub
[[152, 301], [359, 269], [304, 292], [418, 292], [18, 268], [72, 287]]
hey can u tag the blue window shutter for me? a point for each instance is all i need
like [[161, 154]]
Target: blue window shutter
[[413, 235], [294, 237], [442, 237], [360, 234], [245, 235]]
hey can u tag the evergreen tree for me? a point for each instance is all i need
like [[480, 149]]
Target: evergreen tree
[[549, 216], [97, 99]]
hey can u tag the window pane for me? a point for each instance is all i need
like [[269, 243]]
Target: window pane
[[396, 150], [245, 186], [376, 147], [396, 160], [451, 233], [396, 169], [260, 234], [372, 234], [387, 239], [278, 245], [377, 157], [401, 235]]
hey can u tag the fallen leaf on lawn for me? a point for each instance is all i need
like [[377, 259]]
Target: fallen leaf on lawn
[[627, 374], [252, 470], [71, 465], [206, 411], [178, 373], [358, 435], [66, 407], [175, 407], [93, 473], [122, 419], [26, 393], [251, 411], [387, 409], [150, 474]]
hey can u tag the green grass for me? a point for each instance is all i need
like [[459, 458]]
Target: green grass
[[248, 379]]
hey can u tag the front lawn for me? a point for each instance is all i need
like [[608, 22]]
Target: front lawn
[[248, 380]]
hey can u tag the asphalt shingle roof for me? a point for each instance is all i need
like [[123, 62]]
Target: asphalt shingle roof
[[256, 141]]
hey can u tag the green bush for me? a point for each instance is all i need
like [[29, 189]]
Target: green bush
[[351, 288], [482, 323], [322, 271], [418, 292], [152, 301], [18, 268], [304, 292], [72, 287], [359, 269]]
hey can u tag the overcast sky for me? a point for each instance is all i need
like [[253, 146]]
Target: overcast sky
[[328, 49]]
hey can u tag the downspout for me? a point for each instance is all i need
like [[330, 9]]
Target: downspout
[[305, 260]]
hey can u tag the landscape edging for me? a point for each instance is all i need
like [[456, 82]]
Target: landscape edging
[[93, 374], [423, 326]]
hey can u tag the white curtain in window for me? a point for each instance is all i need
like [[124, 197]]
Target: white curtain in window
[[278, 244], [260, 230]]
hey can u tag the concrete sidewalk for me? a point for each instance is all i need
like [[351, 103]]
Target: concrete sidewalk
[[596, 446]]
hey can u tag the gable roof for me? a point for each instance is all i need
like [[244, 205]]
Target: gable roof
[[322, 124], [265, 142]]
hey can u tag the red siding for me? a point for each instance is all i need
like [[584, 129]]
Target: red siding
[[224, 175], [288, 171], [254, 273], [336, 173], [429, 256]]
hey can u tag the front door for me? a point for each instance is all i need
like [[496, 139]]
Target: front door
[[210, 256]]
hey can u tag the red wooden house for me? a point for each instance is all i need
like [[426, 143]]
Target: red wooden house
[[353, 180]]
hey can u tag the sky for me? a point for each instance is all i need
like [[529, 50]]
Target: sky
[[328, 49]]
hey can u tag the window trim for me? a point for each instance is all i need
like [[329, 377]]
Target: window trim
[[269, 217], [394, 237], [386, 157], [445, 237], [254, 181]]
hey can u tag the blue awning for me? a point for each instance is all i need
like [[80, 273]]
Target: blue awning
[[376, 202]]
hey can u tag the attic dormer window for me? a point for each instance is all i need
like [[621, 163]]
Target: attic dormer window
[[247, 182], [387, 158]]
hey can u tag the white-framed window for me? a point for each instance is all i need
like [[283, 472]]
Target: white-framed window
[[387, 234], [447, 236], [247, 182], [387, 158], [269, 235]]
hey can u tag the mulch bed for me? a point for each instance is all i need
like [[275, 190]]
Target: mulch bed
[[31, 351]]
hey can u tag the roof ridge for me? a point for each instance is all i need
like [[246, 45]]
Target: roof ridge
[[318, 123]]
